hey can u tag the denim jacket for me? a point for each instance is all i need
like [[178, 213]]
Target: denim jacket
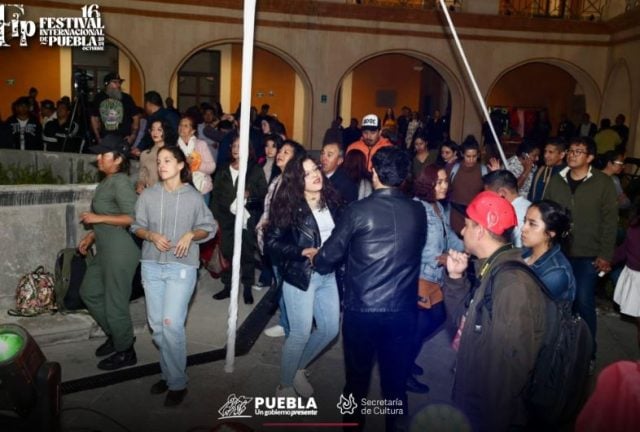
[[554, 269], [440, 238]]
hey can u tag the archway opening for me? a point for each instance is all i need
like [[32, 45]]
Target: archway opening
[[213, 74], [525, 91], [89, 68], [393, 80]]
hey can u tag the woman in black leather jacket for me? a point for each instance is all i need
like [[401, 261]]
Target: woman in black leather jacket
[[301, 218]]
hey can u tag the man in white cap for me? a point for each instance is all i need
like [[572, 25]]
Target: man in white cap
[[371, 140]]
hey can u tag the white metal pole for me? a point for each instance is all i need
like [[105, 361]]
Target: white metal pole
[[484, 108], [247, 66]]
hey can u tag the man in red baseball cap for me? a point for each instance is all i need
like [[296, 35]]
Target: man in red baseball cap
[[498, 334]]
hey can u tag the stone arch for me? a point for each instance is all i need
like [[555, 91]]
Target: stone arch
[[302, 114], [592, 93], [449, 77], [132, 59], [616, 98]]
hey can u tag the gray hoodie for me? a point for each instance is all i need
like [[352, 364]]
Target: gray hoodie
[[172, 214]]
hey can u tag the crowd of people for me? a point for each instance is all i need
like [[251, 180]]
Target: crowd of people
[[395, 226]]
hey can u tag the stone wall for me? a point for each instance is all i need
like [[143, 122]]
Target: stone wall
[[37, 221], [70, 167]]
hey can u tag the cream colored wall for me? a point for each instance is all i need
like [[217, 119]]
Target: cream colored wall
[[628, 52], [124, 68], [345, 99], [66, 66], [322, 57], [298, 111], [225, 75]]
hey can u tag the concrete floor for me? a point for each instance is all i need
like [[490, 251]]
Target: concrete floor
[[128, 406]]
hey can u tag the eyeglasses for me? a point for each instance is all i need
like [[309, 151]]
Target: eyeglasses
[[313, 171], [577, 152], [618, 163]]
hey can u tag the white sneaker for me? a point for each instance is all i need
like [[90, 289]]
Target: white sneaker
[[301, 384], [275, 331], [259, 286], [286, 391]]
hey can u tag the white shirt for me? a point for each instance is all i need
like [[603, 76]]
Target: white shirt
[[325, 223], [520, 205], [23, 127]]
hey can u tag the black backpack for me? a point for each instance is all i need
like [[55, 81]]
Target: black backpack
[[69, 272], [556, 387]]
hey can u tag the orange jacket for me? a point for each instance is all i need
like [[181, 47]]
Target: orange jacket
[[369, 151]]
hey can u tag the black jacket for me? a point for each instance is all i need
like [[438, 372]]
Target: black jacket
[[285, 245], [346, 187], [382, 237]]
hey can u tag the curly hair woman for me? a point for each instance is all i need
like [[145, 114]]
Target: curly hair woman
[[302, 217]]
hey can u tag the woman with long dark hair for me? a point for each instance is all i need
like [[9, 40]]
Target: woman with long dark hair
[[448, 155], [223, 206], [106, 287], [545, 233], [302, 217], [171, 217], [161, 134], [287, 152], [421, 158]]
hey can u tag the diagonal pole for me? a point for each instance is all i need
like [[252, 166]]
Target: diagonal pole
[[247, 69], [479, 97]]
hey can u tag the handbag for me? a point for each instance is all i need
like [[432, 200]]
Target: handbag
[[429, 294], [211, 257]]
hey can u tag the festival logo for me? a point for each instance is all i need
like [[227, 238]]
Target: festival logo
[[86, 32]]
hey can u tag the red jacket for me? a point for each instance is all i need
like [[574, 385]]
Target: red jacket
[[369, 151]]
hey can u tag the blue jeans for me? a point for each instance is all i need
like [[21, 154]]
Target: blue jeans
[[319, 302], [585, 304], [168, 288], [284, 322]]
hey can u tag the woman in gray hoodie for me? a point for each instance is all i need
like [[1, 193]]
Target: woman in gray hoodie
[[171, 218]]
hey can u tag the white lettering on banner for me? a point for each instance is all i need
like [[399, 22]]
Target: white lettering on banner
[[19, 28], [86, 32], [236, 406]]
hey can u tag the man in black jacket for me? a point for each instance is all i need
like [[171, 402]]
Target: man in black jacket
[[384, 235], [331, 159]]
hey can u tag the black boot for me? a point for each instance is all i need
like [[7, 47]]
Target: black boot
[[248, 297], [175, 397], [415, 386], [225, 293], [106, 348], [416, 370], [119, 360]]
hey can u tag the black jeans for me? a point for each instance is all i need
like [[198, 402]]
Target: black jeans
[[390, 337], [429, 320]]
